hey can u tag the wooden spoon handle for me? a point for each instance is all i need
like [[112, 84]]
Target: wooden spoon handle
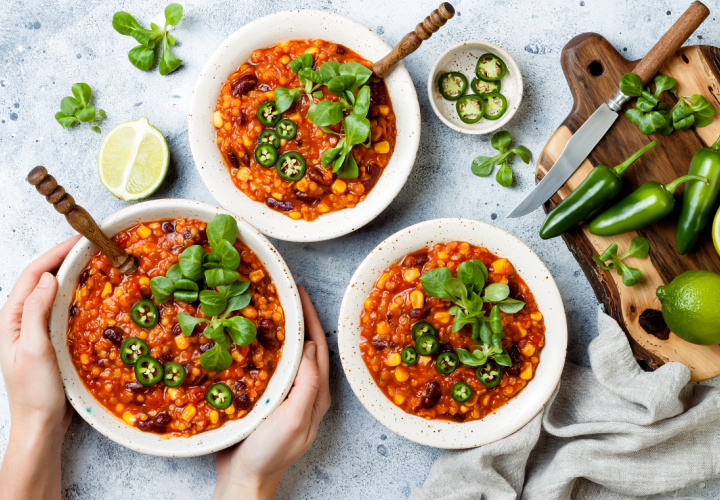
[[412, 41], [671, 41], [79, 218]]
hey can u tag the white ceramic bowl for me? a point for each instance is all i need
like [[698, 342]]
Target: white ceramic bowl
[[206, 442], [266, 32], [462, 58], [441, 433]]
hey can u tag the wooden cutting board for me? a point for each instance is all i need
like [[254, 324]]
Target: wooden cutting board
[[593, 69]]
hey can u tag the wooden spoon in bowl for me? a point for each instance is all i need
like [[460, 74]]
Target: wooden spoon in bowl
[[79, 218], [412, 40]]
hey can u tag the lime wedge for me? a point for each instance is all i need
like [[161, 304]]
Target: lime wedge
[[716, 232], [133, 160]]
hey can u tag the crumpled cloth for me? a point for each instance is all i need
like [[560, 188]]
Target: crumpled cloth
[[610, 432]]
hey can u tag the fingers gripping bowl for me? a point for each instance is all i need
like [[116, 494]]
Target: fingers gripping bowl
[[87, 336], [492, 409], [257, 44]]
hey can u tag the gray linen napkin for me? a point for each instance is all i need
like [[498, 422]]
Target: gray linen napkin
[[610, 432]]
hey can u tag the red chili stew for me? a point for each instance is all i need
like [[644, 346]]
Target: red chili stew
[[100, 321], [398, 301], [319, 191]]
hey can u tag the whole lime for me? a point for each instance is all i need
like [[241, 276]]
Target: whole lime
[[691, 306]]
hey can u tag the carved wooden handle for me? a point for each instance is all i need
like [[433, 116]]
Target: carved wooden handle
[[412, 41], [79, 218], [671, 41]]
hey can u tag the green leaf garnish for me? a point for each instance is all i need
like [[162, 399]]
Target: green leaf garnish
[[631, 276], [78, 108]]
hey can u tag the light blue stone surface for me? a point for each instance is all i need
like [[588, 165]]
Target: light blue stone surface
[[46, 46]]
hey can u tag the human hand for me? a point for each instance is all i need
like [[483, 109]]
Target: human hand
[[253, 468], [29, 366]]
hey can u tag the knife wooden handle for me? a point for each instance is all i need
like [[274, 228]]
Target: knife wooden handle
[[671, 41]]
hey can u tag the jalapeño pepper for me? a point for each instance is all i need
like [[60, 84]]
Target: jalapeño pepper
[[647, 204], [461, 392], [452, 85], [470, 108], [698, 198], [601, 186]]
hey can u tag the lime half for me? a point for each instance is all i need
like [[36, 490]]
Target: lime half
[[133, 160], [716, 232]]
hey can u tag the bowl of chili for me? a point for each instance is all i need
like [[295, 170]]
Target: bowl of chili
[[475, 87], [134, 374], [423, 380], [265, 163]]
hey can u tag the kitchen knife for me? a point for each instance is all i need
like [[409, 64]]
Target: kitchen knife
[[589, 134]]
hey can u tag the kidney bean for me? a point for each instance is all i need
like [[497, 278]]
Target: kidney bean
[[134, 387], [84, 277], [340, 49], [162, 419], [73, 310], [201, 238], [373, 171], [446, 348], [243, 85], [378, 93], [419, 313], [517, 361], [320, 175], [168, 227], [242, 402], [420, 259], [241, 119], [187, 234], [202, 378], [379, 345], [206, 347], [145, 425], [283, 206], [240, 386], [431, 395], [246, 159], [514, 291], [233, 159], [264, 87], [267, 336], [114, 334], [309, 200], [196, 394]]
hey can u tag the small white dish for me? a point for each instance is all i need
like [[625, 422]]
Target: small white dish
[[462, 58], [206, 442], [442, 433], [266, 32]]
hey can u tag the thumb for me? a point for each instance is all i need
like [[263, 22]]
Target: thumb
[[36, 310], [307, 382]]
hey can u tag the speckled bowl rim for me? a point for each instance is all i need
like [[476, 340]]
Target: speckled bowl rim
[[507, 419], [265, 32], [206, 442], [492, 125]]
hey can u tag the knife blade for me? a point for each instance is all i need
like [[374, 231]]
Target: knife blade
[[576, 150], [589, 134]]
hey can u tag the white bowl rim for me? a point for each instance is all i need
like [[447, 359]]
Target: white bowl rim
[[507, 59], [441, 433], [205, 442], [206, 155]]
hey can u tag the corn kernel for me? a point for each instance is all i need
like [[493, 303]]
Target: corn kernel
[[285, 59], [173, 393], [424, 360], [383, 279], [256, 276], [129, 418], [236, 356], [401, 374], [188, 413], [368, 304], [442, 317], [244, 174], [399, 399], [143, 231], [246, 141], [214, 417], [417, 299], [217, 119], [84, 359], [144, 281], [312, 50], [382, 147], [443, 255], [503, 266], [295, 215], [302, 185], [339, 187], [383, 328], [230, 409], [536, 316], [182, 342], [528, 350], [523, 331], [393, 359], [411, 274], [323, 208], [486, 400], [119, 407], [527, 372], [384, 110], [107, 290]]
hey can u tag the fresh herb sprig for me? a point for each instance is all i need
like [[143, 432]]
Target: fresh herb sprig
[[631, 276], [143, 56], [213, 279], [346, 81], [653, 116], [482, 166], [470, 293], [78, 108]]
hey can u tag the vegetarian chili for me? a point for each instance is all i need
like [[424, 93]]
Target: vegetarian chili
[[398, 316]]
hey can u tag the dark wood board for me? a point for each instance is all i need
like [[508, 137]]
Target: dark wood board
[[593, 69]]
